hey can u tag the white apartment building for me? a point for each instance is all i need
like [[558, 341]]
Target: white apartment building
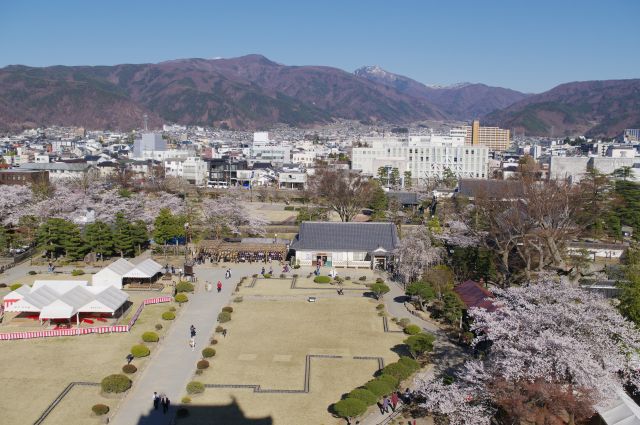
[[426, 157], [192, 169], [306, 158]]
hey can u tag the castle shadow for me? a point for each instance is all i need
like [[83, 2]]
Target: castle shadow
[[203, 415]]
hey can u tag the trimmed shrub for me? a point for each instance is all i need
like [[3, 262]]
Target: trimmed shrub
[[379, 280], [100, 409], [391, 380], [380, 307], [15, 286], [362, 278], [168, 315], [349, 408], [184, 287], [140, 350], [213, 341], [347, 278], [289, 208], [77, 272], [403, 322], [158, 326], [322, 279], [237, 299], [150, 337], [208, 352], [410, 363], [412, 329], [267, 276], [202, 364], [254, 275], [296, 266], [182, 412], [228, 309], [3, 285], [378, 387], [181, 298], [283, 276], [172, 309], [117, 383], [224, 317], [195, 387], [366, 396], [32, 272], [397, 370], [186, 400], [219, 329], [199, 371], [129, 368]]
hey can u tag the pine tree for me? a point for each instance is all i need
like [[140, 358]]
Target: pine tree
[[52, 236], [99, 238], [122, 239], [74, 246], [4, 239], [139, 235], [167, 226]]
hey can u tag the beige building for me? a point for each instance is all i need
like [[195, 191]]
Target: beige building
[[495, 138]]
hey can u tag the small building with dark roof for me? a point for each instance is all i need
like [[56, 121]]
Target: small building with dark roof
[[346, 244], [490, 189], [405, 199], [473, 294]]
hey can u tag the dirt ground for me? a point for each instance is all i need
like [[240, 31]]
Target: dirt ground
[[35, 371], [267, 344]]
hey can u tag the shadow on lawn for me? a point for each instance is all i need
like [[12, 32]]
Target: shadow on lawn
[[205, 415]]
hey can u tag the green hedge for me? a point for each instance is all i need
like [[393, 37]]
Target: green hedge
[[168, 315], [195, 387], [184, 287], [202, 364], [150, 337], [224, 317], [77, 272], [349, 408], [100, 409], [129, 368], [228, 309], [267, 276], [15, 286], [322, 279], [397, 370], [366, 396], [208, 352], [181, 298], [115, 384], [140, 350], [412, 330], [378, 387], [389, 379]]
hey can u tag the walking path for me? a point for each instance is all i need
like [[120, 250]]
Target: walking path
[[446, 355], [173, 365]]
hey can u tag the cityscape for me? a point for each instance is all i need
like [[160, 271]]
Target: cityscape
[[221, 213]]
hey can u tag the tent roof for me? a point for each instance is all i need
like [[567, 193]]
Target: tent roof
[[620, 411], [38, 298], [77, 297], [111, 298], [58, 286], [120, 266], [57, 310], [146, 269], [19, 293]]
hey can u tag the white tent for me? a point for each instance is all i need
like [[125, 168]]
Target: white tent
[[145, 270], [59, 286], [57, 310], [35, 301], [16, 295], [112, 274], [108, 300]]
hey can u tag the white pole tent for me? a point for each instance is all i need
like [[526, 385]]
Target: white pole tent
[[112, 274]]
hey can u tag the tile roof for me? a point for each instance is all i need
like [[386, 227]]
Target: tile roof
[[346, 236], [404, 198], [473, 294]]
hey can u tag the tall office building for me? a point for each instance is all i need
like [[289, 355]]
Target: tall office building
[[495, 138], [632, 135]]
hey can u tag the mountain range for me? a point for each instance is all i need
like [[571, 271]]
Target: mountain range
[[254, 92]]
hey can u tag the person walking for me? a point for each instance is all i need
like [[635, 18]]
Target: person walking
[[165, 405], [156, 400], [385, 404], [193, 331], [192, 344], [262, 272], [219, 286], [394, 400]]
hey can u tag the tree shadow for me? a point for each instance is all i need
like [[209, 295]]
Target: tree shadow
[[401, 299], [401, 350], [206, 415]]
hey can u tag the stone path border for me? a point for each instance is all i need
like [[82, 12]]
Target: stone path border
[[58, 399], [385, 326], [307, 376]]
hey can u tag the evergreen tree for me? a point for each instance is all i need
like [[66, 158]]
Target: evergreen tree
[[4, 239], [99, 238], [122, 238], [139, 235], [74, 246], [52, 236]]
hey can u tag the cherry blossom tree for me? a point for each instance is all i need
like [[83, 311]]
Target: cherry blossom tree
[[416, 253], [546, 339], [226, 214], [14, 198]]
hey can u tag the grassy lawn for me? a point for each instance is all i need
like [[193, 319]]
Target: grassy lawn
[[36, 371], [267, 345]]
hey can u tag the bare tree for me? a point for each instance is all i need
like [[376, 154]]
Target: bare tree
[[343, 191]]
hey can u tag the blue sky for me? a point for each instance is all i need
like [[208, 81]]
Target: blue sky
[[525, 45]]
